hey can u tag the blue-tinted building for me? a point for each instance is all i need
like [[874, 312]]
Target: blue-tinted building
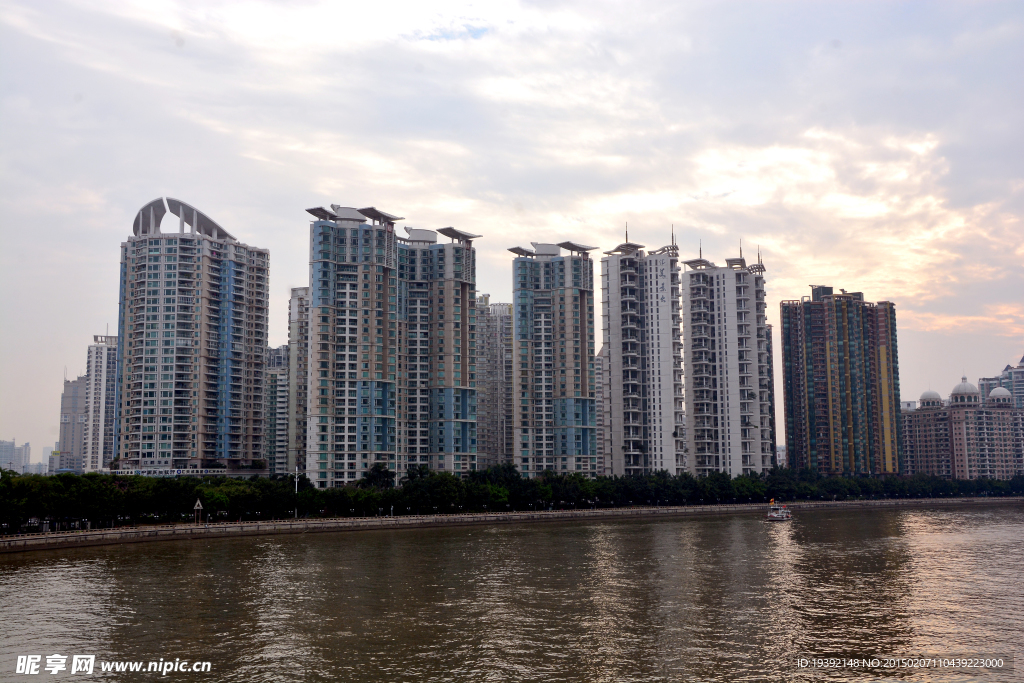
[[553, 358], [391, 349], [192, 334]]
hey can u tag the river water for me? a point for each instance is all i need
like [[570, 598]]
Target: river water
[[729, 598]]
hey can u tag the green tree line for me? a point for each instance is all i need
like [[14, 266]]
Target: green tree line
[[115, 500]]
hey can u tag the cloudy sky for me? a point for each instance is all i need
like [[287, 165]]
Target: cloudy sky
[[872, 146]]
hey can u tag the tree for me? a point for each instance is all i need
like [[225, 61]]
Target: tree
[[418, 472], [379, 477]]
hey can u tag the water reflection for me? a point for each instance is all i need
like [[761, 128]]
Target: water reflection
[[717, 599]]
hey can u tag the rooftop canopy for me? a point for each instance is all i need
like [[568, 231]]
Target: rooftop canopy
[[147, 221], [322, 213], [521, 251], [458, 234], [699, 264], [576, 247], [200, 222], [375, 214], [626, 248]]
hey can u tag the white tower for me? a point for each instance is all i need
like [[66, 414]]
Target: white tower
[[644, 417]]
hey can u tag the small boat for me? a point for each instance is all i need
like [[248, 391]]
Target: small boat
[[778, 513]]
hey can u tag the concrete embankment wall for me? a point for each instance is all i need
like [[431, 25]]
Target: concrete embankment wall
[[183, 532]]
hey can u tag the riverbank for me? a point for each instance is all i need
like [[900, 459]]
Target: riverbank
[[192, 532]]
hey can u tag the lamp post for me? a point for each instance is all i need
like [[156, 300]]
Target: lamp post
[[296, 490]]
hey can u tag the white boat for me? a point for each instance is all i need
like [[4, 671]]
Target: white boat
[[778, 513]]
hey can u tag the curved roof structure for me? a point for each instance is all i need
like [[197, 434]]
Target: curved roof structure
[[626, 248], [931, 396], [147, 221], [375, 214], [1000, 392], [458, 234], [964, 387], [576, 247]]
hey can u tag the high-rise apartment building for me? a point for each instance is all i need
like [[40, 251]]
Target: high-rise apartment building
[[7, 455], [14, 457], [553, 355], [1011, 379], [73, 419], [769, 386], [965, 437], [277, 356], [437, 323], [192, 334], [729, 403], [640, 315], [602, 409], [494, 382], [100, 404], [298, 379], [392, 347], [841, 382], [276, 411]]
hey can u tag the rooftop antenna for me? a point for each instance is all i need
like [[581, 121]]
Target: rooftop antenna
[[741, 247], [759, 254], [700, 248], [627, 231], [673, 234]]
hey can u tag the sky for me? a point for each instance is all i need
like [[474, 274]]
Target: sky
[[872, 146]]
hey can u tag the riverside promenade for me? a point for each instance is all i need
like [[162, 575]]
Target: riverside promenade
[[204, 532]]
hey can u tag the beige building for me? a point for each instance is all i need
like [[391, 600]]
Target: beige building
[[602, 409], [965, 437], [494, 382], [298, 379], [73, 419], [276, 410]]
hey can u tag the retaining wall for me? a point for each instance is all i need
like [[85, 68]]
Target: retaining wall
[[178, 532]]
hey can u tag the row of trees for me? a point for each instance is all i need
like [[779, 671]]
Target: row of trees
[[112, 500]]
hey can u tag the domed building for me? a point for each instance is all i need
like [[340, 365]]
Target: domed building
[[965, 392], [1000, 395], [969, 436], [1011, 379]]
